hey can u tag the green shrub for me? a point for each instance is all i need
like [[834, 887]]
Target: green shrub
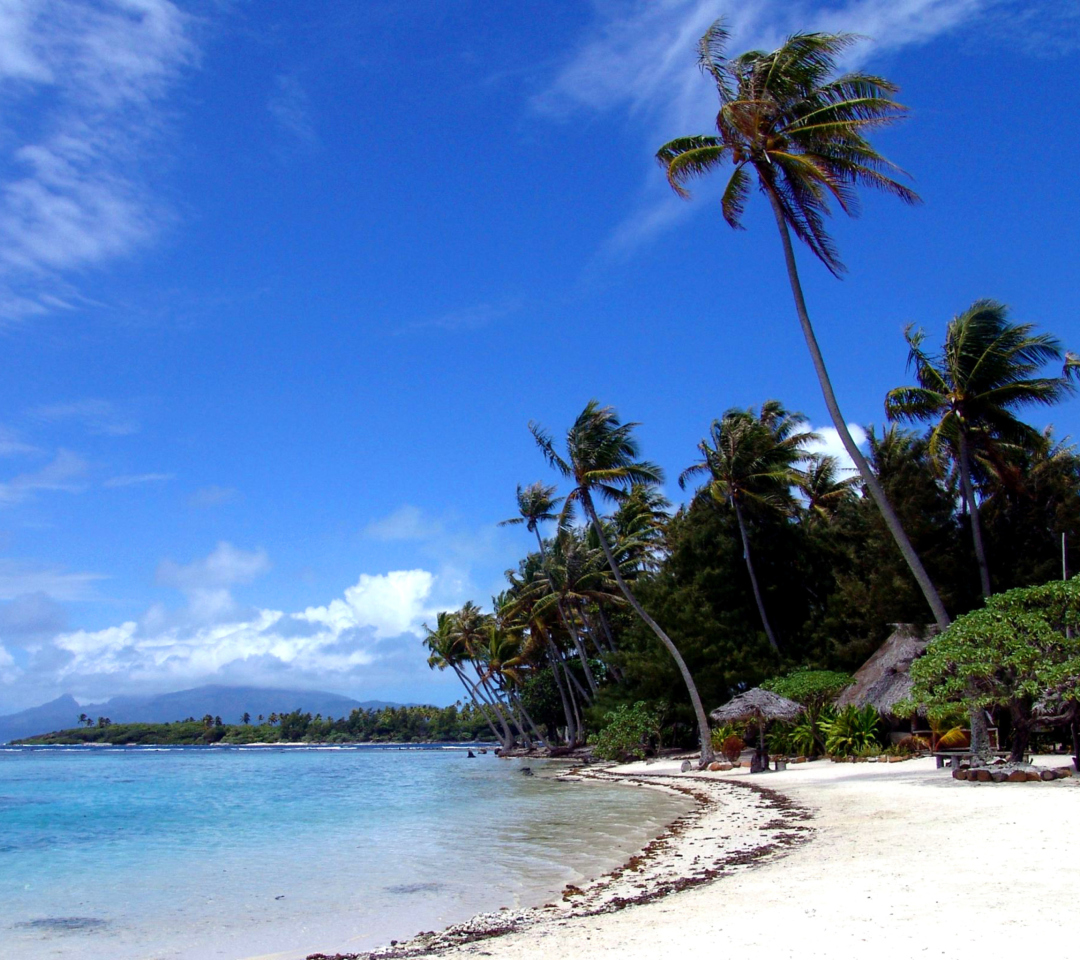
[[853, 730], [811, 688], [725, 730], [629, 733]]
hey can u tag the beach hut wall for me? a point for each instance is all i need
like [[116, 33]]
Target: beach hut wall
[[885, 679]]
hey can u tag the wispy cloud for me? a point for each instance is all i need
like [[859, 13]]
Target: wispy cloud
[[639, 57], [137, 479], [290, 107], [405, 523], [212, 496], [467, 319], [65, 474], [98, 416], [18, 579], [11, 445], [91, 74]]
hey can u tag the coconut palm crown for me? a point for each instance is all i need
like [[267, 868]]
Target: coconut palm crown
[[787, 117], [988, 367]]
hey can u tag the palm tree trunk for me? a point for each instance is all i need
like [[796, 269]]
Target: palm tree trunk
[[528, 719], [973, 513], [892, 521], [606, 624], [753, 578], [476, 700], [556, 667], [606, 650], [497, 705], [571, 629], [707, 755], [571, 733]]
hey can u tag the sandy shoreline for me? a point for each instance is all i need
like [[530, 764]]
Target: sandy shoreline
[[822, 860]]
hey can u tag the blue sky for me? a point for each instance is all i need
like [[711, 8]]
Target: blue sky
[[281, 286]]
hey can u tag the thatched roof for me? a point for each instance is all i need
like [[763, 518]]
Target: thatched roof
[[757, 704], [884, 679]]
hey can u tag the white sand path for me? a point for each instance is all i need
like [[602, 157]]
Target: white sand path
[[905, 862]]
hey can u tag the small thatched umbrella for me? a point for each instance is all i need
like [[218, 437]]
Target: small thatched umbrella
[[761, 706]]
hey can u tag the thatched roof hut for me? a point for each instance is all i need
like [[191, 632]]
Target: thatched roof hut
[[757, 704], [885, 678]]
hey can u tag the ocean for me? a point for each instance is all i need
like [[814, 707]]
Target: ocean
[[192, 853]]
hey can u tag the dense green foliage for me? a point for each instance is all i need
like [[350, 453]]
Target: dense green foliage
[[851, 731], [1022, 648], [388, 725], [811, 688], [628, 734]]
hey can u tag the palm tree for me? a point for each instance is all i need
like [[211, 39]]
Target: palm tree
[[537, 502], [602, 456], [799, 129], [753, 459], [445, 651], [986, 369], [825, 490]]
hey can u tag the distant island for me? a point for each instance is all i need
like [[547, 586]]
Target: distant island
[[230, 703], [400, 724]]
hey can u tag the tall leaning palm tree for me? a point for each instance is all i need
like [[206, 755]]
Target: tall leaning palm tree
[[987, 368], [603, 458], [790, 123], [537, 503], [754, 459]]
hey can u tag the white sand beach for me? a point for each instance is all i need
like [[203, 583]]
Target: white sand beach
[[844, 861]]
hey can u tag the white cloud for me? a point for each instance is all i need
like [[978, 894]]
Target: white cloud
[[373, 626], [64, 473], [830, 445], [640, 56], [390, 604], [225, 566], [85, 76]]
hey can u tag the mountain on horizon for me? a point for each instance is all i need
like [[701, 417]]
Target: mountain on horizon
[[229, 703]]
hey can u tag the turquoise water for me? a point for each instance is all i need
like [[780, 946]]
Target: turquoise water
[[197, 853]]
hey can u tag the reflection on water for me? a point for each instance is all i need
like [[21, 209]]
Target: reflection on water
[[192, 854]]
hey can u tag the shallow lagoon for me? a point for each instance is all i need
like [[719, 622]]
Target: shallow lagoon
[[195, 853]]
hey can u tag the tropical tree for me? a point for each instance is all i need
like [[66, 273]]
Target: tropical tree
[[789, 122], [753, 459], [825, 490], [603, 457], [445, 651], [1020, 651], [536, 503], [987, 368]]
